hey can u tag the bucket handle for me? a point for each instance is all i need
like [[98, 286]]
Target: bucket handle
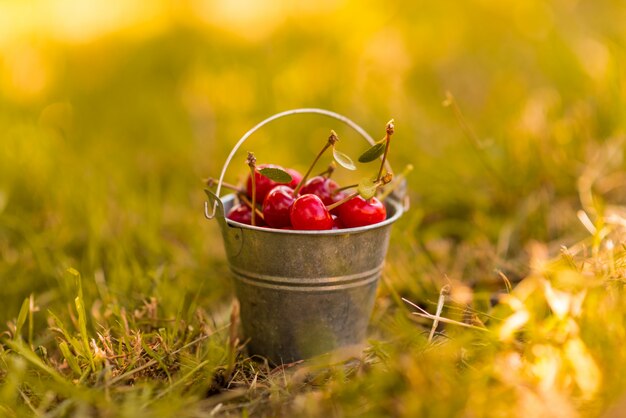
[[215, 196], [218, 206]]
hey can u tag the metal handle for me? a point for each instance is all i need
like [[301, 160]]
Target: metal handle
[[218, 206], [337, 116]]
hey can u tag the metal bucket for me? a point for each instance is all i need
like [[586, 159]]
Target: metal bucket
[[303, 293]]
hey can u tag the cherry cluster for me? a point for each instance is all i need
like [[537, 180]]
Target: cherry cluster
[[283, 198]]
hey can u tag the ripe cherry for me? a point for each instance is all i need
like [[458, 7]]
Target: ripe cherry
[[360, 212], [336, 197], [263, 184], [240, 213], [336, 222], [323, 188], [276, 206], [243, 214], [296, 177], [309, 213]]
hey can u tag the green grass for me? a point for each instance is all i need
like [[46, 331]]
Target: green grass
[[115, 295]]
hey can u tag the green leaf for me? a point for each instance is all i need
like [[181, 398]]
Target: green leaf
[[373, 152], [276, 174], [367, 188], [71, 360], [343, 160]]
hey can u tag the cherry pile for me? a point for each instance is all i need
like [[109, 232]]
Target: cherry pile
[[282, 198]]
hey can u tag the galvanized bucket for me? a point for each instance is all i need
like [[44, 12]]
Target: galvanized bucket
[[303, 293]]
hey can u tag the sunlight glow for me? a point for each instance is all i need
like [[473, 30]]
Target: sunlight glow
[[76, 20]]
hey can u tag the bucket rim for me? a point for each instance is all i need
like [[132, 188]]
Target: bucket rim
[[398, 207]]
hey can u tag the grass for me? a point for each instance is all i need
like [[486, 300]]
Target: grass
[[116, 300]]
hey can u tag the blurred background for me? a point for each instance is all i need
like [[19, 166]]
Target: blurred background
[[113, 112]]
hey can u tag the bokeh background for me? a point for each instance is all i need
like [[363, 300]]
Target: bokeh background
[[112, 114]]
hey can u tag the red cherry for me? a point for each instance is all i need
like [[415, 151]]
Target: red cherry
[[240, 213], [296, 177], [263, 184], [243, 214], [360, 212], [336, 197], [309, 213], [337, 224], [276, 206], [323, 188]]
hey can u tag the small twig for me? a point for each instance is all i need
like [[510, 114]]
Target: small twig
[[449, 321], [416, 306], [507, 282], [442, 298], [425, 314]]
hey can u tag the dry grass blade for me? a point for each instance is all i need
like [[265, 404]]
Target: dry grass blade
[[445, 290], [425, 314]]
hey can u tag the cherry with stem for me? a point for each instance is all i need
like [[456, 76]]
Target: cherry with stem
[[332, 140], [247, 202]]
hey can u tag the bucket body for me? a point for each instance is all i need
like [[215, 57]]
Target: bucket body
[[304, 293]]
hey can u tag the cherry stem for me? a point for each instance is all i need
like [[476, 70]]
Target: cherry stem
[[329, 171], [210, 182], [389, 130], [379, 183], [252, 164], [341, 189], [332, 139], [242, 196], [342, 201]]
